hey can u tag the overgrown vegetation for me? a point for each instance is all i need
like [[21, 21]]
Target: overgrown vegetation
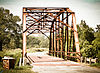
[[10, 30], [15, 53], [89, 40], [22, 69], [95, 65], [37, 42]]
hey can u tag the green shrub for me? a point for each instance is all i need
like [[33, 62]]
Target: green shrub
[[96, 65], [15, 53]]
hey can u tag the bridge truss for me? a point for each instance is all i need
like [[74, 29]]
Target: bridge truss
[[60, 23]]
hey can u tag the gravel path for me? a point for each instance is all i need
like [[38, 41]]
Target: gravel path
[[44, 63]]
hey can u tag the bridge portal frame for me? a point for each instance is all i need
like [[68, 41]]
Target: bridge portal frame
[[64, 42]]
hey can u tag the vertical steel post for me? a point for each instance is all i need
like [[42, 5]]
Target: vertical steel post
[[67, 36], [63, 49], [50, 43], [70, 41], [76, 35], [59, 36], [53, 40], [73, 42], [56, 38], [24, 35]]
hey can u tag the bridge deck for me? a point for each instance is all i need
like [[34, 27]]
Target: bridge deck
[[40, 59]]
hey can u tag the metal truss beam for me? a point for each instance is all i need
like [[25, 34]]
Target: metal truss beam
[[63, 38]]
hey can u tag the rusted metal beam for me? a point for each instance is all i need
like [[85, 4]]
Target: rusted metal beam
[[67, 34], [59, 54], [44, 34], [53, 20], [24, 36], [63, 53], [75, 33], [50, 43], [34, 23], [45, 8], [53, 40]]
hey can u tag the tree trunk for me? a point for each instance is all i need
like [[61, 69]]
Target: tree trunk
[[0, 45]]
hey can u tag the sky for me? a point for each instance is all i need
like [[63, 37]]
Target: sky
[[88, 10]]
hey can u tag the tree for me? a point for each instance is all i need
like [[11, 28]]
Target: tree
[[86, 36], [37, 42], [9, 28], [32, 42], [89, 40], [44, 42], [96, 42]]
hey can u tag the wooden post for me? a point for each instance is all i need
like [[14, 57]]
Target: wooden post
[[24, 35], [90, 61], [20, 60], [81, 59], [85, 60]]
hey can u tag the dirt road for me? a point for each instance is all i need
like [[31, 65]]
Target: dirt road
[[44, 63]]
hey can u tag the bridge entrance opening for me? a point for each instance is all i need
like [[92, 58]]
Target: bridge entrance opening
[[59, 23]]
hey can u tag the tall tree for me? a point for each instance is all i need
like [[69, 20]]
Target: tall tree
[[86, 36], [9, 28], [85, 33], [96, 42]]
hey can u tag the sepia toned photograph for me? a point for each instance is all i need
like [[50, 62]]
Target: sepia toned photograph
[[49, 36]]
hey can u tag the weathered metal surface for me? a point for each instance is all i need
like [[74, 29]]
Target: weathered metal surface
[[53, 20]]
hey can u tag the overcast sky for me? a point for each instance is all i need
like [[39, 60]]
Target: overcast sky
[[88, 10]]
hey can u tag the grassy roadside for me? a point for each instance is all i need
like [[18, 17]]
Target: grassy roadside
[[22, 69], [15, 53], [95, 65]]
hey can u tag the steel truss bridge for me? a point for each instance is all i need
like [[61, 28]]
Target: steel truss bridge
[[60, 23]]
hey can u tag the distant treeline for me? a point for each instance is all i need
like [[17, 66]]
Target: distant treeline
[[37, 42]]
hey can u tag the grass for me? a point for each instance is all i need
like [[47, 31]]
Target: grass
[[15, 53], [22, 69], [95, 65]]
